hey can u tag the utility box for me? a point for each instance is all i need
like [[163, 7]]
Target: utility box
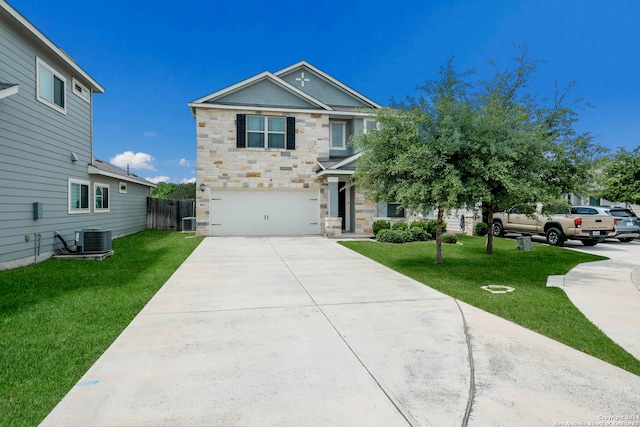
[[37, 210], [189, 223]]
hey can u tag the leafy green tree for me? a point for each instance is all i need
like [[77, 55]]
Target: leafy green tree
[[414, 157], [162, 190], [522, 150], [620, 177], [183, 191]]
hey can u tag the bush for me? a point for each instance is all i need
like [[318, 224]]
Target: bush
[[449, 238], [419, 224], [481, 229], [393, 236], [432, 228], [418, 234], [400, 226], [380, 225]]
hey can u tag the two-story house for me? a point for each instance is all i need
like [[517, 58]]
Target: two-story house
[[273, 157], [50, 183]]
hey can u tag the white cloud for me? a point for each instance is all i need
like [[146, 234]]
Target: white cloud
[[150, 134], [133, 160], [184, 162], [188, 181], [158, 179]]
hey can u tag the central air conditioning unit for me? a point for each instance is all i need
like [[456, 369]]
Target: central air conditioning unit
[[189, 223], [93, 240]]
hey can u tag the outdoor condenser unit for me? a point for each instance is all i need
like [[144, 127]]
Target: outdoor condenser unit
[[93, 240], [189, 223]]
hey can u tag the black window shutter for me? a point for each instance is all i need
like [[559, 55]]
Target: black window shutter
[[241, 130], [291, 133]]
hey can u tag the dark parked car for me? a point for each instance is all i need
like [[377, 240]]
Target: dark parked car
[[627, 223]]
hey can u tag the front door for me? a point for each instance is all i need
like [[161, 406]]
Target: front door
[[342, 203]]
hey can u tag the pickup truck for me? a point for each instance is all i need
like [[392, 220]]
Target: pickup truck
[[589, 229]]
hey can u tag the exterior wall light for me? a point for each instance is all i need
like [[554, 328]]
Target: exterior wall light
[[202, 187]]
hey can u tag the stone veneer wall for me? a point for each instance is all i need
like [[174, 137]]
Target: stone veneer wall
[[366, 211], [220, 164]]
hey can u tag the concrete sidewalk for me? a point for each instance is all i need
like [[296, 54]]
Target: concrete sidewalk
[[302, 331], [608, 292]]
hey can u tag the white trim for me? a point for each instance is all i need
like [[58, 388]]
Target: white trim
[[97, 185], [287, 110], [344, 135], [75, 211], [50, 45], [346, 161], [11, 90], [329, 79], [331, 172], [83, 93], [55, 74]]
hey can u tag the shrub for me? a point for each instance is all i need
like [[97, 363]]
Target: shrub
[[380, 225], [418, 234], [449, 238], [481, 229], [392, 236], [432, 228], [419, 224], [400, 226]]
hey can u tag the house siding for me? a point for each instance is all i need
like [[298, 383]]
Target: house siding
[[36, 142]]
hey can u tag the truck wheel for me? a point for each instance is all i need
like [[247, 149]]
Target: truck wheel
[[555, 237], [590, 242], [625, 239], [498, 229]]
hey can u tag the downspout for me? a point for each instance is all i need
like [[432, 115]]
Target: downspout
[[37, 238]]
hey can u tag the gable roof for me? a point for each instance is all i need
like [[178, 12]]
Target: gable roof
[[45, 43], [279, 91], [99, 167], [332, 81]]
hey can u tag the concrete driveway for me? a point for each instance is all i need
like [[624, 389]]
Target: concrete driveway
[[302, 331]]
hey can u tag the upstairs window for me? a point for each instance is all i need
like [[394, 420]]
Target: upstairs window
[[101, 197], [51, 86], [81, 90], [78, 196], [338, 136], [265, 132]]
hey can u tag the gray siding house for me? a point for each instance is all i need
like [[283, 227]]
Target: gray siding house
[[273, 157], [49, 180]]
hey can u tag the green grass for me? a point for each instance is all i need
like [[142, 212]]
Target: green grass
[[59, 316], [466, 268]]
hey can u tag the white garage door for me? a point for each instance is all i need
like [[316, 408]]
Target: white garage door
[[264, 212]]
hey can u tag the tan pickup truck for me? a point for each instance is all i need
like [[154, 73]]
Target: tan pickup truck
[[589, 229]]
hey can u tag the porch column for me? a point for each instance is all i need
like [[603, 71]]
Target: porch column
[[333, 196]]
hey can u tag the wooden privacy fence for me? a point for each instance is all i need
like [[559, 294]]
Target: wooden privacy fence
[[165, 214]]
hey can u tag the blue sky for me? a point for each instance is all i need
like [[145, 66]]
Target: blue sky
[[153, 57]]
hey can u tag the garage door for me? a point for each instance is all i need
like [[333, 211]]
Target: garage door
[[264, 212]]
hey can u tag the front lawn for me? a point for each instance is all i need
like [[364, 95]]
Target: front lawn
[[466, 268], [59, 316]]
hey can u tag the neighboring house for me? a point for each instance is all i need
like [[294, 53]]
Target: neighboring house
[[50, 181], [273, 157]]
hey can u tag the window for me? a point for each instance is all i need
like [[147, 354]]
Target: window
[[265, 132], [81, 90], [78, 196], [122, 186], [370, 125], [51, 87], [101, 193], [394, 210], [338, 136]]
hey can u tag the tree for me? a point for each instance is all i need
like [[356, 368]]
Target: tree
[[414, 157], [522, 150], [497, 145], [621, 177], [166, 190]]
